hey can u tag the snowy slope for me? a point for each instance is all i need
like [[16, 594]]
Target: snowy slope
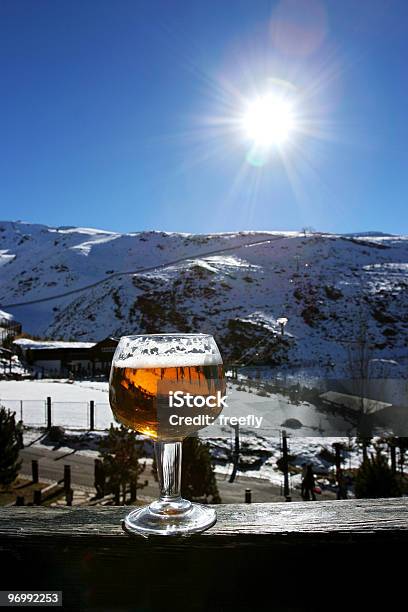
[[332, 289]]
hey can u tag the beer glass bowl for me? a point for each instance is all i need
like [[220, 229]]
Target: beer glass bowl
[[147, 371]]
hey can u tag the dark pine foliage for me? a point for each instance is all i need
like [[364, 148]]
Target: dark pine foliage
[[120, 453], [375, 479], [10, 443], [197, 475]]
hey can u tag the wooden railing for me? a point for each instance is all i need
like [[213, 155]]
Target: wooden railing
[[289, 556]]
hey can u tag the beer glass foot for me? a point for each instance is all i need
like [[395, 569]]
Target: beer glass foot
[[170, 518]]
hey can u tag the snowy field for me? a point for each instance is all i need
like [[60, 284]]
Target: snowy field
[[70, 409], [260, 449], [70, 401], [57, 389]]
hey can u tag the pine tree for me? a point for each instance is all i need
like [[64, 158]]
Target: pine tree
[[120, 453], [402, 444], [10, 444], [197, 473], [363, 442], [375, 479]]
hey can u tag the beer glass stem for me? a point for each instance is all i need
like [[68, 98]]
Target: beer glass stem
[[168, 460]]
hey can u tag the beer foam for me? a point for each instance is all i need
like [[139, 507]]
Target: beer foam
[[167, 361], [163, 351]]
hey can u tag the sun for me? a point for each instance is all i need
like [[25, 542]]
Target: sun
[[269, 121]]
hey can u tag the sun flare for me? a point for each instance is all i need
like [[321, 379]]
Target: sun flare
[[269, 121]]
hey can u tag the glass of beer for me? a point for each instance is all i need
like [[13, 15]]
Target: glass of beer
[[167, 387]]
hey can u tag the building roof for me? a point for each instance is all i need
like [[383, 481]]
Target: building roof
[[354, 402], [26, 343]]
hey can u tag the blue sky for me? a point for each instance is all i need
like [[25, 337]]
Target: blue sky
[[125, 114]]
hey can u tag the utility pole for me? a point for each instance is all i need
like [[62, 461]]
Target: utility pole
[[49, 418], [285, 462], [341, 488], [235, 455], [337, 448]]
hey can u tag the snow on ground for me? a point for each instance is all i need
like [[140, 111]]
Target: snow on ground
[[13, 367], [286, 274], [3, 314], [84, 443], [58, 389], [70, 401], [70, 408], [301, 450], [5, 258]]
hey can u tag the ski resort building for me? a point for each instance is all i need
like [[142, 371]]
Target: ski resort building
[[60, 358]]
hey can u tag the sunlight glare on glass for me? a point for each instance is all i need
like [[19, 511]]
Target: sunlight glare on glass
[[269, 120]]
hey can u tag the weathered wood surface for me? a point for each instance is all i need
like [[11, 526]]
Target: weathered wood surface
[[235, 521], [294, 556]]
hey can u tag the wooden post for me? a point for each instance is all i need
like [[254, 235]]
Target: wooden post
[[91, 415], [69, 496], [34, 470], [401, 456], [37, 497], [341, 487], [133, 490], [285, 462], [20, 500], [99, 478], [235, 456], [248, 496], [67, 477], [49, 413], [337, 448]]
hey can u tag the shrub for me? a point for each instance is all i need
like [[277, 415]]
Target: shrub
[[120, 453], [10, 444], [375, 479], [197, 475], [56, 434], [332, 293]]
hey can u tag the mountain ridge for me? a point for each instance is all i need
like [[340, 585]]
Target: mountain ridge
[[327, 285]]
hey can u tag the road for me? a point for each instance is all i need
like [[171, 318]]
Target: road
[[148, 269], [51, 467]]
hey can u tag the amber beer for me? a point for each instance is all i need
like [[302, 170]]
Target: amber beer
[[139, 396]]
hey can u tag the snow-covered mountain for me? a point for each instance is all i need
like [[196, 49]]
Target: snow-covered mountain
[[336, 291]]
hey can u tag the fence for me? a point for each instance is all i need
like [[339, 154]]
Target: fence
[[74, 415]]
